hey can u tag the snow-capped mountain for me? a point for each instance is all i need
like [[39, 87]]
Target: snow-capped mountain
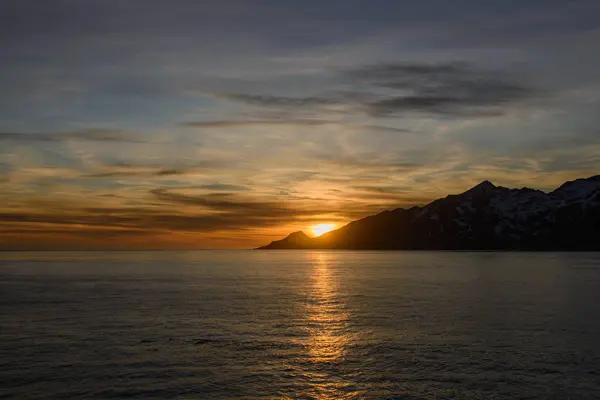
[[485, 217]]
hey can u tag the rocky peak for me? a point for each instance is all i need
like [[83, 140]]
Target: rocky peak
[[297, 239], [485, 187]]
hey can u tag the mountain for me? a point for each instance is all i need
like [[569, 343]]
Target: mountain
[[485, 217], [296, 240]]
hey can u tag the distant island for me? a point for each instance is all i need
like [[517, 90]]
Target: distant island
[[485, 217]]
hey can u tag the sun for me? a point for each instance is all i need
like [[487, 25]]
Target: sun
[[320, 229]]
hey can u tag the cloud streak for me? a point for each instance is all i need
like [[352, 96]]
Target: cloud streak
[[175, 212], [255, 123], [94, 135], [458, 89], [279, 101], [124, 170]]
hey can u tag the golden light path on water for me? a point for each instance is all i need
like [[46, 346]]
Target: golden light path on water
[[327, 322]]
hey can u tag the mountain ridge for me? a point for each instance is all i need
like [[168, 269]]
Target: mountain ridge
[[484, 217]]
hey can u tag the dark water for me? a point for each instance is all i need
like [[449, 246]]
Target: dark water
[[326, 325]]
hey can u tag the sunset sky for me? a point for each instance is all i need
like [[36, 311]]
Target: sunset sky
[[227, 124]]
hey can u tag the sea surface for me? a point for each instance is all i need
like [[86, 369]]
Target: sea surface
[[299, 325]]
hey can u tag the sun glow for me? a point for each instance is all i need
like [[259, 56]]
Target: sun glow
[[320, 229]]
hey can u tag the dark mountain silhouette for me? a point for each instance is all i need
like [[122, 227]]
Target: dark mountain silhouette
[[296, 240], [485, 217]]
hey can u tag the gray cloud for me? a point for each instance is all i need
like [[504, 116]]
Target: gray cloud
[[223, 186], [455, 88], [251, 123], [261, 213], [218, 203], [134, 173], [298, 122], [459, 89], [385, 129], [169, 172], [91, 233], [279, 101], [374, 164], [98, 135], [383, 189], [145, 170]]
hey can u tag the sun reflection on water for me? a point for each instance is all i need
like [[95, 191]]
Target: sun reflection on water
[[327, 317], [327, 325]]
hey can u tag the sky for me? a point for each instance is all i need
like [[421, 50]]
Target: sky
[[180, 124]]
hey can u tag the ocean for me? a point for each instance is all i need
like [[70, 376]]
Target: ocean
[[299, 325]]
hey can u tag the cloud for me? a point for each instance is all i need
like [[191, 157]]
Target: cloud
[[90, 233], [252, 123], [141, 170], [223, 187], [384, 129], [279, 101], [377, 165], [447, 88], [459, 89], [168, 172], [222, 212], [136, 173], [297, 122], [217, 202], [97, 135], [249, 212], [383, 189]]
